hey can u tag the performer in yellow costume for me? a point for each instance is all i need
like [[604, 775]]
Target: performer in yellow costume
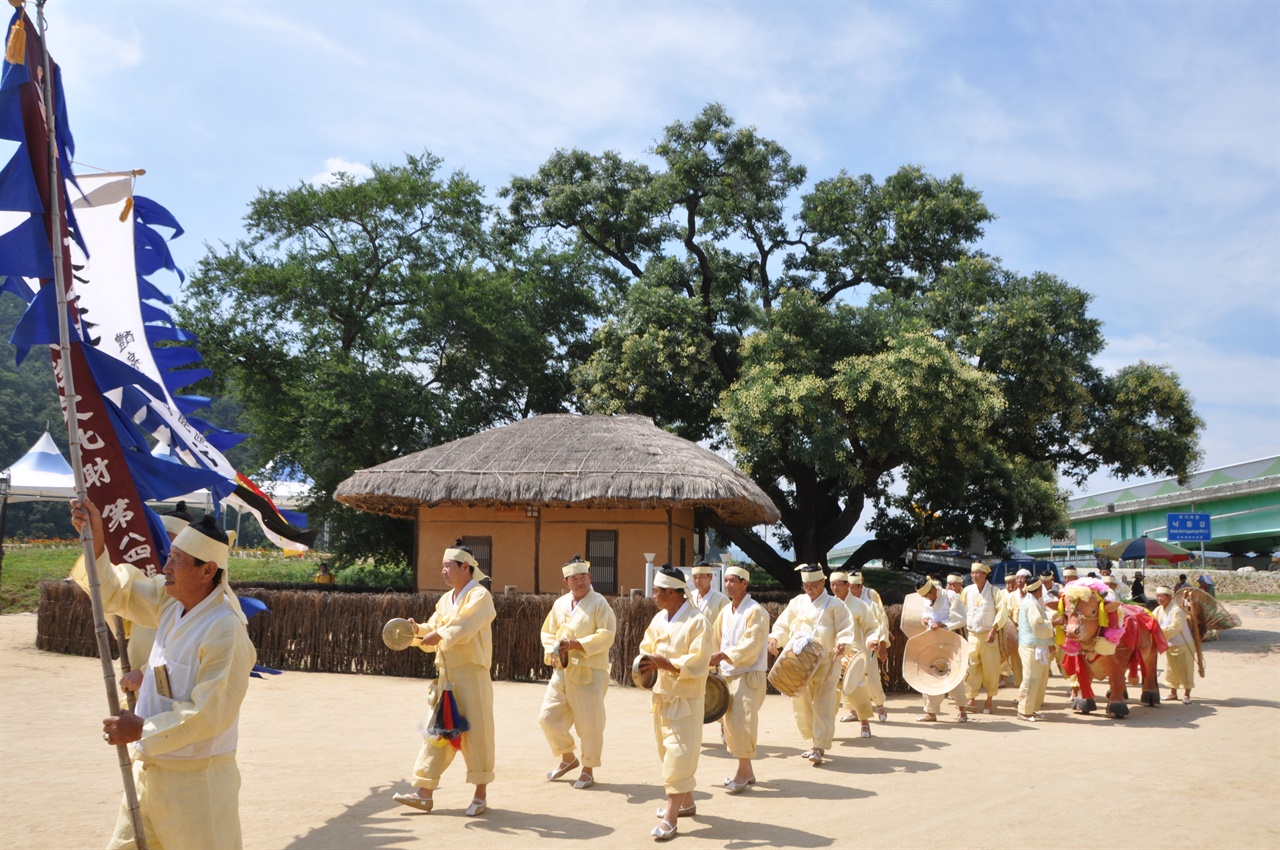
[[985, 622], [460, 632], [741, 636], [677, 643], [710, 602], [184, 732], [1180, 660], [1035, 646], [858, 701], [939, 614], [875, 683], [815, 616], [582, 625]]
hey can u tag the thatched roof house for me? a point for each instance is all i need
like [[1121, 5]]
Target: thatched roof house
[[562, 475]]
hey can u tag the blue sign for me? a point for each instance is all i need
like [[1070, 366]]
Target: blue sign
[[1188, 527]]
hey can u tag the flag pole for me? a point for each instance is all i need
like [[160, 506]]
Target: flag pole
[[57, 242]]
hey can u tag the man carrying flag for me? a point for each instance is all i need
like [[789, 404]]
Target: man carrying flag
[[185, 730]]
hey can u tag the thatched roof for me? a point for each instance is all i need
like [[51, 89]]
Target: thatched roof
[[561, 460]]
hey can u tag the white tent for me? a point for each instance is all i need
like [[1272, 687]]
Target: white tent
[[41, 474]]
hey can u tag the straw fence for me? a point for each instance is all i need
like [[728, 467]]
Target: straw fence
[[329, 631]]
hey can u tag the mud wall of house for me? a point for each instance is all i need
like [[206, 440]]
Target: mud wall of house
[[560, 533]]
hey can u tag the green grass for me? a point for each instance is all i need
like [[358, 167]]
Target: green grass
[[1249, 597], [24, 568]]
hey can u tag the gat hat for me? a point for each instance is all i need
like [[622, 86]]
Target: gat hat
[[1033, 586], [1163, 590], [856, 578], [839, 575], [979, 567], [671, 578], [935, 661], [575, 566], [739, 572], [810, 572]]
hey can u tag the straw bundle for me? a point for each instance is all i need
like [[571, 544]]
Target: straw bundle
[[64, 621], [324, 631], [563, 459]]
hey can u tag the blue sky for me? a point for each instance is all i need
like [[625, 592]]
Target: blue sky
[[1132, 149]]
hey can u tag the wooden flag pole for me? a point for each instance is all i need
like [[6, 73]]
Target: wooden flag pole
[[57, 242]]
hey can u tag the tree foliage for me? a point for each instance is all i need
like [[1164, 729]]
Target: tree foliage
[[29, 401], [858, 353], [368, 319]]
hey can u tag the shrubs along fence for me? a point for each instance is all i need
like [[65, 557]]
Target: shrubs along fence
[[327, 631]]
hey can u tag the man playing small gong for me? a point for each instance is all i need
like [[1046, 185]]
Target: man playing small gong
[[579, 629]]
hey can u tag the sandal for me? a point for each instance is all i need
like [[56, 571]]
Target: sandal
[[660, 833], [415, 801], [682, 812], [584, 781], [477, 807], [866, 731], [815, 757], [927, 718], [882, 714], [562, 769]]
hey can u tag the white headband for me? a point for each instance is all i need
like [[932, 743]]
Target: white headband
[[173, 524], [669, 582], [201, 547], [461, 556], [573, 568], [739, 572], [701, 570], [839, 575]]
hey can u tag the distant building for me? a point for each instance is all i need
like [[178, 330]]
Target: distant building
[[528, 496]]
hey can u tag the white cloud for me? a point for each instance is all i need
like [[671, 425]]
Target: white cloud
[[335, 165]]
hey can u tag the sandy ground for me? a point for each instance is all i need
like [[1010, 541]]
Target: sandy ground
[[322, 754]]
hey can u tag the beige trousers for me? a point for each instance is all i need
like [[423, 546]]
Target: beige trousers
[[874, 683], [1035, 676], [815, 705], [568, 703], [1015, 666], [741, 719], [196, 805], [679, 741], [1180, 667], [984, 666], [933, 704], [473, 690]]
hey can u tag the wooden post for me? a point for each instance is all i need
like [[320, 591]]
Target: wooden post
[[73, 432]]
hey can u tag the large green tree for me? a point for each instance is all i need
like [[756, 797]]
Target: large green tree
[[848, 341], [371, 318]]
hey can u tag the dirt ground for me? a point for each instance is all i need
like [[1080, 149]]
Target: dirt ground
[[322, 754]]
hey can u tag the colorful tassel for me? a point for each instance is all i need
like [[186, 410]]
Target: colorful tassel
[[16, 51]]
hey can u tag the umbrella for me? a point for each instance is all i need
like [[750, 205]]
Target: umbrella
[[1145, 547]]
